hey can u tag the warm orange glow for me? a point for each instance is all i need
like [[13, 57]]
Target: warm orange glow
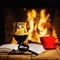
[[54, 33], [14, 41], [36, 27], [42, 22]]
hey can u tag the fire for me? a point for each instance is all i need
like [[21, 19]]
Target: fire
[[42, 22], [37, 26], [54, 33], [31, 15]]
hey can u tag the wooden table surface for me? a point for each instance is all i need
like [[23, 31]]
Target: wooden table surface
[[46, 55]]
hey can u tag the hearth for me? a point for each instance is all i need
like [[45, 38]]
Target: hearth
[[39, 22]]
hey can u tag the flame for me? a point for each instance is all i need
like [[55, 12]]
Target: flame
[[54, 33], [36, 26], [42, 22], [31, 15]]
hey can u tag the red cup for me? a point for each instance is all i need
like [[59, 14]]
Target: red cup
[[48, 42]]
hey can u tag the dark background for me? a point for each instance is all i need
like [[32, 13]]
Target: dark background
[[2, 35]]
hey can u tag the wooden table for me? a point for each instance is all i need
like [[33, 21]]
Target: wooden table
[[47, 55], [16, 56]]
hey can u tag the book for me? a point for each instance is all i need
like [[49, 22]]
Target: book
[[36, 48], [8, 47], [33, 48]]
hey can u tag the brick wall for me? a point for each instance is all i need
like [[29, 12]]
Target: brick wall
[[56, 22], [2, 35], [9, 20]]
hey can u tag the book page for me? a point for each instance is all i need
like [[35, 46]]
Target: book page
[[8, 47], [36, 48]]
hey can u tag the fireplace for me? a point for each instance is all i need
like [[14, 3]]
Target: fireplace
[[39, 22]]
